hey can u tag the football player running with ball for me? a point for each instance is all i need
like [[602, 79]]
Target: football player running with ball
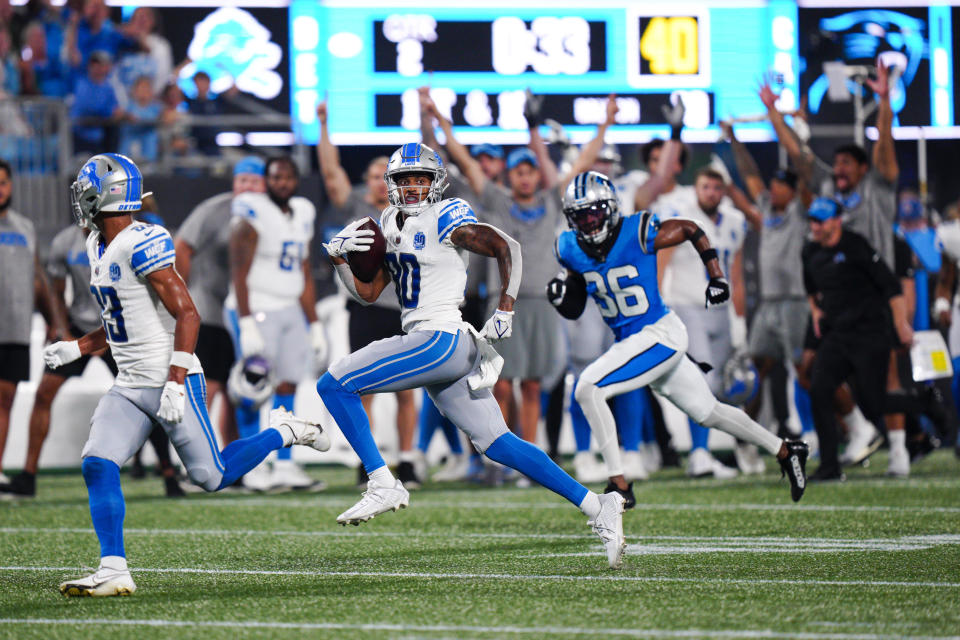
[[614, 259], [150, 323], [425, 237]]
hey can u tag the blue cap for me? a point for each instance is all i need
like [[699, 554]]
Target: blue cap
[[823, 209], [522, 154], [492, 150], [250, 164], [910, 209]]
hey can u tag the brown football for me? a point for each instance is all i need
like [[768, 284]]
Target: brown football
[[366, 264]]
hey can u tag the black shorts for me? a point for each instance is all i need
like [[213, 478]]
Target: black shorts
[[77, 367], [369, 324], [14, 362], [215, 350]]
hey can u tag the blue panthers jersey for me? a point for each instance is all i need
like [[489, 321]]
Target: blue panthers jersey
[[624, 285]]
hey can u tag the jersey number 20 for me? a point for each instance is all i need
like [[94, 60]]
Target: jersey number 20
[[112, 313], [628, 299]]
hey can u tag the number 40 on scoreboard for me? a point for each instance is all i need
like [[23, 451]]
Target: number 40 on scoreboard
[[669, 50]]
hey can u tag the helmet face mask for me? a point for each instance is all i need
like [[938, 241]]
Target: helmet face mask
[[107, 183], [415, 158], [591, 206]]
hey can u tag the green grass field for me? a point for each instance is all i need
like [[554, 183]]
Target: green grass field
[[869, 558]]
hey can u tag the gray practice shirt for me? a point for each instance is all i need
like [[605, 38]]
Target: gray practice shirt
[[534, 227], [356, 207], [781, 243], [207, 230], [870, 209], [18, 244], [68, 259]]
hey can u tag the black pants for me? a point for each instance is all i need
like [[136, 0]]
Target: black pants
[[861, 359]]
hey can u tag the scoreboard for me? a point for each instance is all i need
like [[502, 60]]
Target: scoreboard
[[368, 58]]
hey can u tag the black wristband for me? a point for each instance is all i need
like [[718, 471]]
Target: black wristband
[[697, 235], [708, 255], [675, 132]]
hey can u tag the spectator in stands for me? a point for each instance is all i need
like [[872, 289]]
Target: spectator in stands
[[95, 102], [9, 65], [92, 30], [174, 130], [154, 59], [42, 73], [205, 104], [140, 139]]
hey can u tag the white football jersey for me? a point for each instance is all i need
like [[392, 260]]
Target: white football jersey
[[428, 271], [139, 328], [626, 186], [275, 279], [685, 279]]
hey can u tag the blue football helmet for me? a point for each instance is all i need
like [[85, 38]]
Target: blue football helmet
[[107, 183], [415, 158], [591, 206]]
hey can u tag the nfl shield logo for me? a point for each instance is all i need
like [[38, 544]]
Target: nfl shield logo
[[419, 240], [114, 272]]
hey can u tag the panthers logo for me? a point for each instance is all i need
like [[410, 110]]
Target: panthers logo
[[233, 48]]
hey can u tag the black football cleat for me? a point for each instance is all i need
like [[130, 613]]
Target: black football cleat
[[22, 485], [629, 500], [794, 466]]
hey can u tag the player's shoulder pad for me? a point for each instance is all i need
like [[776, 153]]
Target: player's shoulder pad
[[648, 227], [453, 213], [151, 248]]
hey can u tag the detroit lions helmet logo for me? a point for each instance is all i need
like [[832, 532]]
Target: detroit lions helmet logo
[[233, 48], [89, 174]]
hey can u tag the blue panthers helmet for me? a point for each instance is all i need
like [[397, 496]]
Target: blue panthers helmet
[[415, 158], [107, 183], [591, 206]]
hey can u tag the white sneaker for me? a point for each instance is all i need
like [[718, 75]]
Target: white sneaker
[[376, 499], [290, 475], [864, 440], [105, 582], [748, 459], [701, 463], [652, 458], [259, 478], [587, 469], [609, 526], [634, 467], [454, 469], [899, 465], [299, 431]]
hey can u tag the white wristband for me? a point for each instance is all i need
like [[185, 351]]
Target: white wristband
[[940, 305], [182, 359]]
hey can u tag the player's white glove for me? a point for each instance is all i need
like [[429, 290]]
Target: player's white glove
[[318, 340], [60, 353], [251, 340], [173, 402], [499, 326], [350, 238]]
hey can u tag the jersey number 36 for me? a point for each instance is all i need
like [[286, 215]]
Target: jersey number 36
[[628, 299]]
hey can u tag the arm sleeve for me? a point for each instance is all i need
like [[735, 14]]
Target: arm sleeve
[[152, 253], [453, 214], [575, 296]]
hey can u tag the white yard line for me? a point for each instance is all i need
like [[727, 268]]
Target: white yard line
[[509, 576], [539, 631]]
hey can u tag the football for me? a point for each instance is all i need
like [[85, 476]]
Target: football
[[366, 264]]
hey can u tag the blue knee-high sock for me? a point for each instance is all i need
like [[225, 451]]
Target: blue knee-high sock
[[698, 435], [248, 420], [581, 428], [427, 422], [630, 410], [955, 383], [801, 398], [106, 504], [284, 400], [242, 455], [518, 454], [347, 410], [648, 433]]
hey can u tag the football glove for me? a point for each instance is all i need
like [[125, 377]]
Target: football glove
[[674, 115], [173, 402], [60, 353], [718, 291], [499, 326], [318, 340], [251, 340], [533, 109], [557, 290], [350, 238]]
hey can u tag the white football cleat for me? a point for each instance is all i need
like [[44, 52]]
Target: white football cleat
[[454, 469], [652, 458], [587, 469], [298, 431], [376, 499], [289, 475], [748, 459], [701, 463], [258, 479], [104, 583], [899, 465], [634, 467], [609, 526], [864, 440]]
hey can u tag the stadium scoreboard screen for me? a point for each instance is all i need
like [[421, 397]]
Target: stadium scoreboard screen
[[369, 58]]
